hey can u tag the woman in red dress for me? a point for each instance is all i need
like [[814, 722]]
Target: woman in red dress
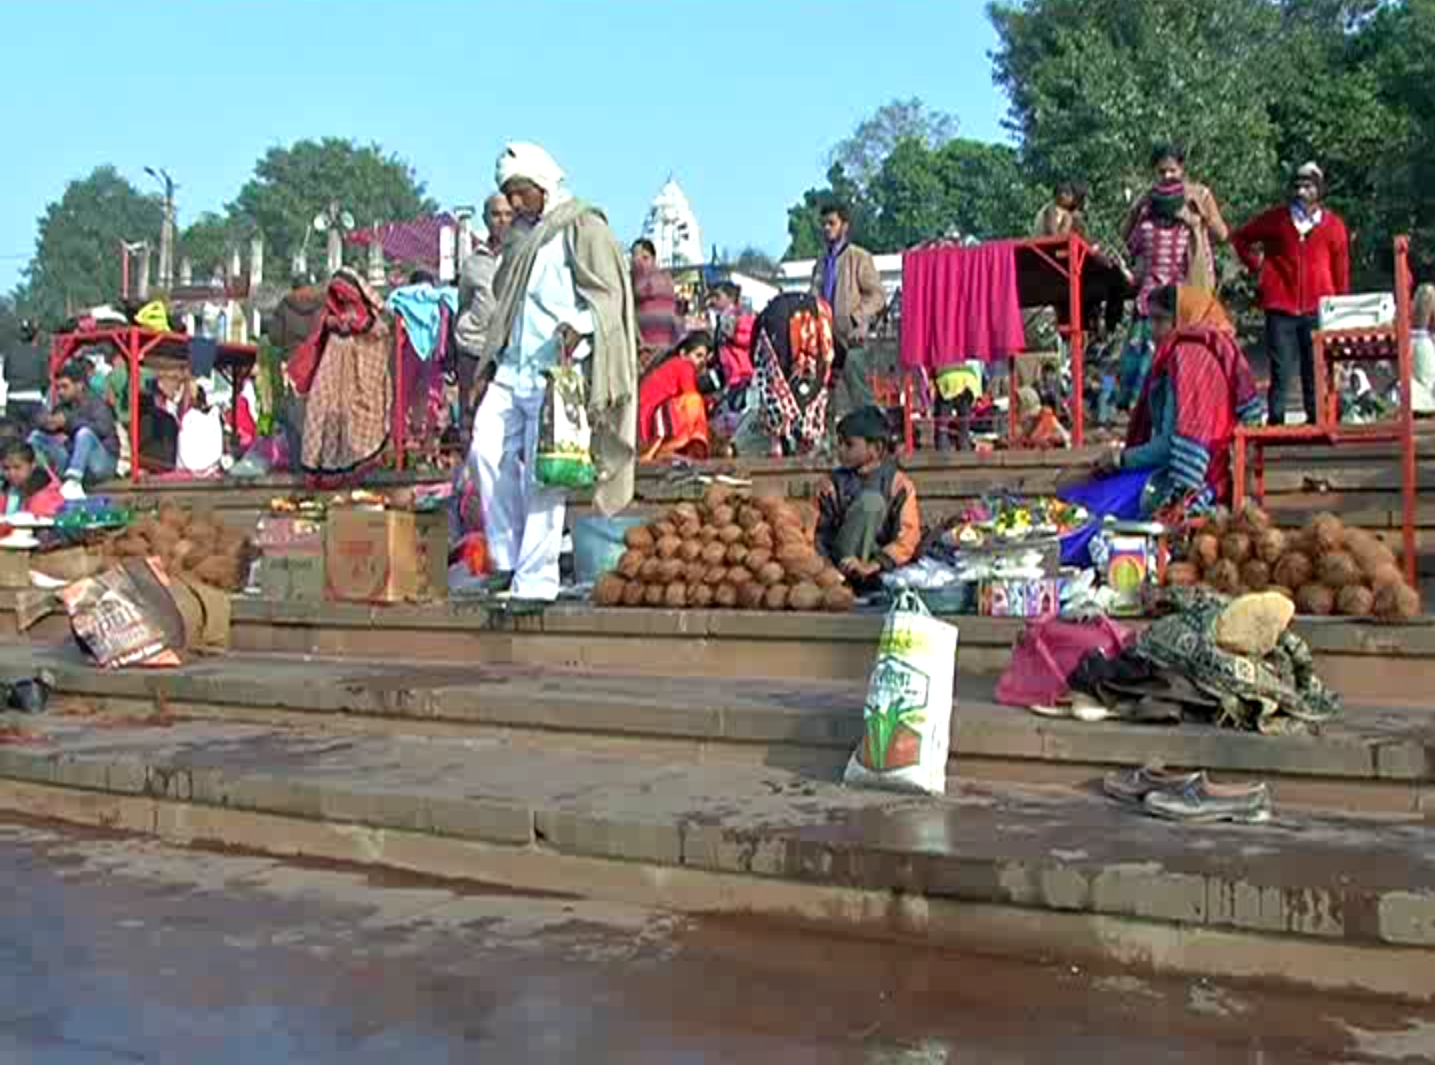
[[672, 406]]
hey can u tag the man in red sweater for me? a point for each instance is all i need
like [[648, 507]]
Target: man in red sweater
[[1301, 251]]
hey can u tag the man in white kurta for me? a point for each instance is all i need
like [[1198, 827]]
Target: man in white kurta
[[523, 519]]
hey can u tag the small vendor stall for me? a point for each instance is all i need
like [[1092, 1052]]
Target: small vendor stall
[[964, 302], [1390, 343], [138, 346]]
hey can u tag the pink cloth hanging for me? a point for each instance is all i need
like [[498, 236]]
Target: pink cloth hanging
[[960, 303]]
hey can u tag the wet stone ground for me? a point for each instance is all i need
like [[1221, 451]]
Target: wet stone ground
[[119, 950]]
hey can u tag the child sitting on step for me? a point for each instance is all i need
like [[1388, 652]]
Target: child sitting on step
[[868, 522]]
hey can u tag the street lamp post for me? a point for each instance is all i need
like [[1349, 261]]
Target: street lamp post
[[166, 233]]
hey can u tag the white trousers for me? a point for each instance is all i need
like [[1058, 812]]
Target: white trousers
[[523, 520]]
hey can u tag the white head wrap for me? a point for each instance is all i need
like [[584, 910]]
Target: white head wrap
[[531, 163], [1312, 170]]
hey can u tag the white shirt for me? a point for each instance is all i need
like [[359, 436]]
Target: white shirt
[[550, 301], [1422, 390]]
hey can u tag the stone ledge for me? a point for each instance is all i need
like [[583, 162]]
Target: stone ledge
[[1331, 879]]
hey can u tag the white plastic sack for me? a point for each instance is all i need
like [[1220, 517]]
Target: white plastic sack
[[908, 713]]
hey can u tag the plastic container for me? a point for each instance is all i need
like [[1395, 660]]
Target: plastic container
[[598, 544]]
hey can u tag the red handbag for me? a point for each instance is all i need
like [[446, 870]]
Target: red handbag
[[1048, 652]]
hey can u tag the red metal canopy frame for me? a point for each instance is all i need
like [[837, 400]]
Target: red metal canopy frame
[[1062, 273], [1391, 343], [135, 344]]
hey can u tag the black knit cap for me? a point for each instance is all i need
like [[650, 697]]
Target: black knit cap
[[865, 423]]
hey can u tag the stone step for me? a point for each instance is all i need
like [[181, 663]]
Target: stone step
[[1383, 663], [1378, 760], [1329, 903]]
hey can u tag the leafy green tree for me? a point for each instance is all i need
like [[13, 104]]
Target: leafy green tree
[[964, 188], [206, 242], [862, 154], [292, 185], [77, 252]]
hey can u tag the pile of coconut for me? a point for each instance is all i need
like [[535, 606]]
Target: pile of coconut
[[194, 545], [731, 551], [1326, 568]]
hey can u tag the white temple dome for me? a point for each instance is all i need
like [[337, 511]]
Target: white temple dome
[[673, 228]]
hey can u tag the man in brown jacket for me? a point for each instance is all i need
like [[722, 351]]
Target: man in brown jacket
[[846, 277]]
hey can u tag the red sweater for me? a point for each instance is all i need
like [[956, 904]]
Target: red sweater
[[1296, 272]]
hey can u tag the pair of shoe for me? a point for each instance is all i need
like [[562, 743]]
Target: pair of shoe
[[1080, 708], [72, 490], [1189, 797]]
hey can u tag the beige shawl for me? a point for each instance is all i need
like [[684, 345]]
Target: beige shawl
[[602, 281]]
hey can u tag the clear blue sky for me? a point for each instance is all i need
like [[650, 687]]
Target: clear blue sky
[[739, 99]]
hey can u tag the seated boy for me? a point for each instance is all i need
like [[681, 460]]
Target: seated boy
[[867, 521], [77, 439]]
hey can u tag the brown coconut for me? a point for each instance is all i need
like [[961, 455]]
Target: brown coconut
[[1355, 601], [805, 596], [730, 534], [758, 558], [1236, 547], [776, 598], [805, 567], [669, 570], [676, 596], [633, 594], [1255, 575], [716, 496], [1225, 577], [694, 573], [653, 594], [722, 516], [725, 596], [1252, 519], [740, 576], [669, 546], [640, 539], [663, 529], [649, 570], [1206, 550], [838, 600], [1329, 533], [761, 536], [830, 578], [1294, 570], [1387, 576], [714, 554], [1315, 599], [173, 515], [700, 596], [749, 517], [708, 533], [1182, 574], [631, 564], [771, 574], [691, 550], [609, 590], [1337, 570], [1396, 603], [684, 512], [736, 554], [1270, 545], [715, 575], [751, 596]]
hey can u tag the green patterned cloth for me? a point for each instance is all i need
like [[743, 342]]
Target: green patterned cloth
[[1275, 695]]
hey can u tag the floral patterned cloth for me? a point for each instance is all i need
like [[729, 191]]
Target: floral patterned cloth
[[1278, 694]]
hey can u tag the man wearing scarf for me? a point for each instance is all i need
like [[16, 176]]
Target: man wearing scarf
[[1301, 250], [562, 291], [845, 277]]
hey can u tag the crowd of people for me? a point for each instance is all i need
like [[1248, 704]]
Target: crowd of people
[[551, 286]]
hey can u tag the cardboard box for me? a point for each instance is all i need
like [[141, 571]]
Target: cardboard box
[[432, 530], [371, 556], [291, 565], [14, 569], [69, 563]]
